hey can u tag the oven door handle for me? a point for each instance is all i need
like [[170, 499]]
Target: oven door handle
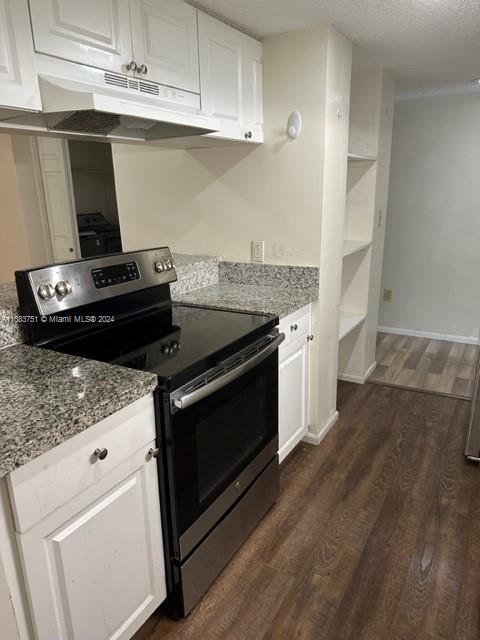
[[187, 399]]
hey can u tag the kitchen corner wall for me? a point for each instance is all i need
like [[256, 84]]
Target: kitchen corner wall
[[24, 237], [215, 201], [290, 193]]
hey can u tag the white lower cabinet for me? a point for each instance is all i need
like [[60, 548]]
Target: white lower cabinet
[[94, 564], [293, 380]]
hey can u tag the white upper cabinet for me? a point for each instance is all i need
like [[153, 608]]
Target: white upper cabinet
[[92, 32], [158, 38], [230, 79], [165, 42], [18, 78]]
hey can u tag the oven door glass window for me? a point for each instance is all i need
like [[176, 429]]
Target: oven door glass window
[[215, 439]]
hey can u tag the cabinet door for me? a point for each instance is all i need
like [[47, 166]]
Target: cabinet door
[[93, 32], [221, 79], [253, 89], [231, 80], [18, 78], [95, 568], [293, 396], [165, 40]]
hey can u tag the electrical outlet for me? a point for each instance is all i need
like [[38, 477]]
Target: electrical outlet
[[380, 218], [387, 295], [258, 250]]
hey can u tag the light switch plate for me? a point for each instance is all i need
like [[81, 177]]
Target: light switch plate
[[387, 295], [258, 250]]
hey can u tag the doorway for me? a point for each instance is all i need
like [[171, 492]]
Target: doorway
[[80, 197]]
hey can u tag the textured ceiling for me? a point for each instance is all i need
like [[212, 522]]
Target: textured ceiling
[[424, 43]]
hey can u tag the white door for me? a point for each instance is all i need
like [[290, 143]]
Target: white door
[[221, 75], [293, 395], [165, 42], [95, 569], [59, 203], [93, 32], [18, 78]]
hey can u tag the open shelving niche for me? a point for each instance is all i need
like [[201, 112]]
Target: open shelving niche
[[358, 236], [348, 322], [368, 158], [358, 157]]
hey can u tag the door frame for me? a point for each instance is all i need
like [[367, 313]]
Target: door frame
[[71, 212]]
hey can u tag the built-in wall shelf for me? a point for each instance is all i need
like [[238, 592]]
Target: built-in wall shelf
[[357, 157], [348, 322], [352, 246]]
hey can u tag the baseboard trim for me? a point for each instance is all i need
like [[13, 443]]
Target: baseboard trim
[[346, 377], [431, 335], [316, 438]]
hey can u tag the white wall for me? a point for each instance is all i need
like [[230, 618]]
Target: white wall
[[337, 86], [384, 148], [22, 235], [215, 201], [432, 249]]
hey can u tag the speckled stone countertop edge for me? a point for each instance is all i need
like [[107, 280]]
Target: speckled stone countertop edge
[[55, 436], [275, 304]]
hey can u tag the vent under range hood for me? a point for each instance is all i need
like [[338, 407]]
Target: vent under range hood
[[81, 100]]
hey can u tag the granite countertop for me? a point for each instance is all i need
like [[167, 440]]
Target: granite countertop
[[11, 332], [250, 297], [36, 417]]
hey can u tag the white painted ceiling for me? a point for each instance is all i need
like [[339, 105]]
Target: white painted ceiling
[[424, 43]]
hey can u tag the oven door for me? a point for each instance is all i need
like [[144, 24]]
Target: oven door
[[219, 438]]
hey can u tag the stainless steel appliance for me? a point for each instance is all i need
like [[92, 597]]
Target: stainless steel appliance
[[97, 235], [216, 403], [472, 448]]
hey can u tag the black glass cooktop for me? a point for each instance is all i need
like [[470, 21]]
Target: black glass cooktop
[[176, 343]]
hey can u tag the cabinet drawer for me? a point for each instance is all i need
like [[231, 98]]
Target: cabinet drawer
[[46, 483], [295, 325]]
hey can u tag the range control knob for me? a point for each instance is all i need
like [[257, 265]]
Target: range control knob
[[63, 288], [167, 264], [159, 266], [46, 291]]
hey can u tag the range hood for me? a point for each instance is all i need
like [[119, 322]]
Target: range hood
[[83, 101]]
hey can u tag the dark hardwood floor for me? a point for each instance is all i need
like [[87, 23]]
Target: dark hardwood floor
[[376, 535]]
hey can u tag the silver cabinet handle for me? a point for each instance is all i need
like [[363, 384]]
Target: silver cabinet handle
[[142, 68], [181, 400], [310, 337], [100, 454], [293, 327], [248, 134], [132, 66], [153, 453]]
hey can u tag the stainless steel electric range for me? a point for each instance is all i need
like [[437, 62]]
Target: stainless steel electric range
[[216, 403]]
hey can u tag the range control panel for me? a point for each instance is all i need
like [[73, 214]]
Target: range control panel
[[72, 284], [115, 274]]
